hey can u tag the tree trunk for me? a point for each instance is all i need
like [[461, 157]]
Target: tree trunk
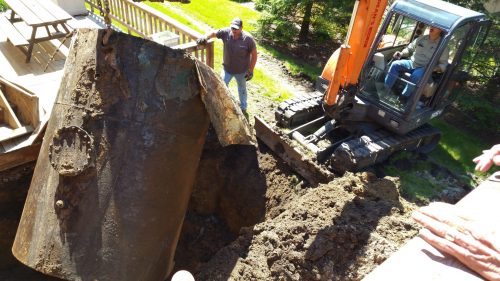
[[306, 22]]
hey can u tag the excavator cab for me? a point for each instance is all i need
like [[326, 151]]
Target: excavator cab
[[462, 32]]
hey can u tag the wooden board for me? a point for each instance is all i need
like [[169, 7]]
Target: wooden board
[[28, 16], [38, 12], [19, 156], [15, 37], [25, 102], [417, 260], [7, 133], [9, 115]]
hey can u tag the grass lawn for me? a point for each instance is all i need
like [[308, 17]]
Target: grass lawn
[[457, 149], [218, 14]]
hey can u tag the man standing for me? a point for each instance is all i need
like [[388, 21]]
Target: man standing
[[421, 51], [240, 56]]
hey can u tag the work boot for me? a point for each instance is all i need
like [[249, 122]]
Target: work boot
[[245, 113]]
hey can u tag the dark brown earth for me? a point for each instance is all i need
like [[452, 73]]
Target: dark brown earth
[[252, 218]]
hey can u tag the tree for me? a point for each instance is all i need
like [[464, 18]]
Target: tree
[[306, 21], [288, 21]]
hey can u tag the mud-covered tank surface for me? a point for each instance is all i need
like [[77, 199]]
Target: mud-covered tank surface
[[14, 185]]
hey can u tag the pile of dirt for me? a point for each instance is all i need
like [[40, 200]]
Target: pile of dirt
[[252, 218], [338, 231]]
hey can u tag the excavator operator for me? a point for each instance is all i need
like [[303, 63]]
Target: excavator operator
[[421, 51]]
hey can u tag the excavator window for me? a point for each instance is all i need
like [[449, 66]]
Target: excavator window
[[399, 32], [463, 49]]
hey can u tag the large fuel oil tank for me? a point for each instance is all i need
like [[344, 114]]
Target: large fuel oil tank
[[118, 160]]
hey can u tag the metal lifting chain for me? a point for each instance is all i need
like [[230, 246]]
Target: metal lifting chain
[[105, 12], [57, 50]]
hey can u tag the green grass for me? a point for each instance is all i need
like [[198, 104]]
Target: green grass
[[218, 14], [457, 149], [414, 187], [176, 16], [3, 6], [295, 67]]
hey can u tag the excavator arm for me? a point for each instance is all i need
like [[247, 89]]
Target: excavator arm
[[344, 66]]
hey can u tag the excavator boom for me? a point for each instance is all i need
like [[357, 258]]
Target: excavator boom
[[344, 66]]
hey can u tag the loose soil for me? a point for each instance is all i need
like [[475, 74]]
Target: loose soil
[[252, 218]]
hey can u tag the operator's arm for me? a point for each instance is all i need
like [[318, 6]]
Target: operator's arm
[[443, 60], [253, 60], [406, 52], [410, 48], [211, 34]]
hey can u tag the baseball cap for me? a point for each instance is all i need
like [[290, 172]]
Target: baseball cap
[[236, 23]]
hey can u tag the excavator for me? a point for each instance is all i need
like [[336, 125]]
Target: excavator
[[352, 120]]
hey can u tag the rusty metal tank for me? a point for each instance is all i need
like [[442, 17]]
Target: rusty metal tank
[[118, 160]]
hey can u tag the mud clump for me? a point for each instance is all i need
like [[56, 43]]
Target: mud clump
[[338, 231]]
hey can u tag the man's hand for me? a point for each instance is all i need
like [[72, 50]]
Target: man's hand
[[249, 75], [476, 244], [202, 40], [437, 69], [397, 55]]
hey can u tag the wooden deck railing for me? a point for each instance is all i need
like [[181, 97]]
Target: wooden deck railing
[[142, 20]]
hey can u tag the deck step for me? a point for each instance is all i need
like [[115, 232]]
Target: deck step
[[15, 37], [8, 114], [7, 133]]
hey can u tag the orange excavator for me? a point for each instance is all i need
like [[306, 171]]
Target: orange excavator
[[354, 120]]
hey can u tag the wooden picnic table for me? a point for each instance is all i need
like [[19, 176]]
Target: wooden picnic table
[[47, 21]]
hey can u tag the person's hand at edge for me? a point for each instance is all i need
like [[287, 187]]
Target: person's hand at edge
[[476, 245], [488, 158]]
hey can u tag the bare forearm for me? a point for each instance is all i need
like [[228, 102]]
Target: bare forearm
[[253, 59], [210, 34]]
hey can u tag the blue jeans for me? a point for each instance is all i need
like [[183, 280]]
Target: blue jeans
[[242, 86], [400, 66]]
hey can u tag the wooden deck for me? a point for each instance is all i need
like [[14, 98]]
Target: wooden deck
[[32, 76], [41, 76]]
